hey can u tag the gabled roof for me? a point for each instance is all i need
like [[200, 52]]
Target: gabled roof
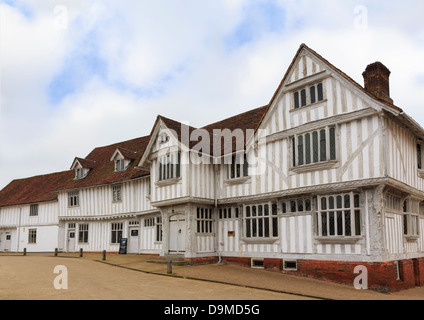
[[104, 170], [304, 47], [248, 122], [86, 164], [127, 154], [35, 190]]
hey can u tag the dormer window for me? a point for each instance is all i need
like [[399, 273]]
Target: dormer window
[[120, 165], [79, 173], [82, 167], [122, 159]]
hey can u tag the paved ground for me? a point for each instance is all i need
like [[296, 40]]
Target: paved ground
[[135, 277]]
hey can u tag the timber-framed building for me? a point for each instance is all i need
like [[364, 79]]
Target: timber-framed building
[[327, 176]]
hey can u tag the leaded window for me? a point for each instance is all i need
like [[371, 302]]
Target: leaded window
[[339, 215], [204, 220], [261, 221], [314, 147]]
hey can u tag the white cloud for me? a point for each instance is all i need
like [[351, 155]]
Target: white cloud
[[178, 61]]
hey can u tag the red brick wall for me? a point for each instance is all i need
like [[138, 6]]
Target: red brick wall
[[381, 275]]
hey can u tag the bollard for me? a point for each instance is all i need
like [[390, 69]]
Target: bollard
[[81, 253], [104, 255], [56, 252], [24, 251], [169, 265]]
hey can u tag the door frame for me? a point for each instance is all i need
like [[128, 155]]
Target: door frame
[[68, 239], [177, 221]]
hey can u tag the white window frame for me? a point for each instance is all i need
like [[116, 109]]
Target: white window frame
[[308, 97], [411, 219], [117, 193], [328, 216], [159, 233], [116, 232], [83, 234], [204, 220], [33, 210], [32, 236], [73, 199], [120, 165], [298, 148], [300, 205], [149, 222], [254, 221], [169, 167], [239, 167]]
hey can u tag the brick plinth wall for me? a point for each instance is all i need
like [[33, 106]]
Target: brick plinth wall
[[382, 276]]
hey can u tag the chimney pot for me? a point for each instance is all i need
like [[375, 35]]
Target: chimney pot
[[376, 78]]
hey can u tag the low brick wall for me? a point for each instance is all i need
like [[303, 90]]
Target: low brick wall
[[382, 276]]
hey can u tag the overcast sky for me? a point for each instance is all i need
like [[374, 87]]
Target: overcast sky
[[76, 74]]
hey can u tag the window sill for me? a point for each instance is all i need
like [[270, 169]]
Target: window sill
[[332, 164], [308, 106], [241, 180], [411, 238], [259, 240], [338, 240], [167, 182]]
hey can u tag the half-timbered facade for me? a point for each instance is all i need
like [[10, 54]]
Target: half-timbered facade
[[326, 177]]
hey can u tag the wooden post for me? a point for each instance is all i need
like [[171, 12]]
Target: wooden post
[[25, 251], [104, 255], [169, 267], [81, 253], [56, 251]]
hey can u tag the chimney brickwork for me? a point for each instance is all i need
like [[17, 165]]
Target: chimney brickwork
[[376, 77]]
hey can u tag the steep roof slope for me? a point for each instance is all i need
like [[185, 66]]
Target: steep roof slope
[[103, 172]]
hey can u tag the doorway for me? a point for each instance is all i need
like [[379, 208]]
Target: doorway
[[133, 240], [71, 240], [177, 233], [8, 242]]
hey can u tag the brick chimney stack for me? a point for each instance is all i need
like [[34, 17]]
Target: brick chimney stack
[[376, 77]]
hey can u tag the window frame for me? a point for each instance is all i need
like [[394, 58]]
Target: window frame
[[300, 204], [79, 173], [338, 214], [117, 193], [116, 232], [32, 236], [238, 169], [73, 199], [83, 232], [254, 222], [159, 229], [204, 221], [120, 165], [314, 148], [168, 169], [309, 95], [411, 219], [33, 210]]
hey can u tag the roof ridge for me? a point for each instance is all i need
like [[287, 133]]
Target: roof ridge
[[236, 115]]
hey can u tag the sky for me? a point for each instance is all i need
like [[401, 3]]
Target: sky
[[76, 75]]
